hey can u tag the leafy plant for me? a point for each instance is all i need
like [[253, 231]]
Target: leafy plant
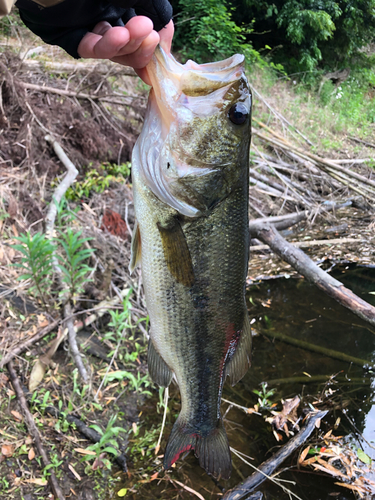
[[71, 262], [107, 443], [263, 396], [37, 251], [96, 182]]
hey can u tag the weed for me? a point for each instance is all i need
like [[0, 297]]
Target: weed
[[55, 465], [107, 443], [37, 251], [263, 396]]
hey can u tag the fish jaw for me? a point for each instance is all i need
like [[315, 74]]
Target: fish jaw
[[190, 152]]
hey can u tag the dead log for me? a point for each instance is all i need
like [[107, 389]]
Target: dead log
[[305, 266]]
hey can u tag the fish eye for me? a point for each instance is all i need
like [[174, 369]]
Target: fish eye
[[238, 113]]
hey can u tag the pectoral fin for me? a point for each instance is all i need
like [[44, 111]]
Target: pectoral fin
[[135, 248], [176, 253], [158, 369], [240, 362]]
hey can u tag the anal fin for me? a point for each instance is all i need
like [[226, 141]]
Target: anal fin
[[135, 248], [158, 369], [240, 362]]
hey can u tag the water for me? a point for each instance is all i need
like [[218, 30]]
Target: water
[[297, 309]]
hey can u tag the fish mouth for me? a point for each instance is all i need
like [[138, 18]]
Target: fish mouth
[[170, 78]]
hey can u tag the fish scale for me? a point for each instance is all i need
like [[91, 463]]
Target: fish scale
[[191, 205]]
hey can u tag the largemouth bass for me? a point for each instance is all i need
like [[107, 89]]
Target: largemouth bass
[[190, 171]]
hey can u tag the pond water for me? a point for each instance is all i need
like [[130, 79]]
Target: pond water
[[296, 309]]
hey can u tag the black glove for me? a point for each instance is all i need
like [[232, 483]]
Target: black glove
[[159, 11]]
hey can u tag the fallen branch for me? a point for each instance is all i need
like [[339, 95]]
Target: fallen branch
[[355, 139], [78, 95], [269, 466], [58, 194], [319, 379], [109, 69], [29, 342], [33, 430], [305, 266], [316, 348], [310, 243]]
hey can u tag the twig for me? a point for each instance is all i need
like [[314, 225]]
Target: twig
[[79, 67], [166, 396], [317, 348], [58, 194], [269, 466], [25, 345], [369, 144], [33, 430], [304, 265], [310, 243]]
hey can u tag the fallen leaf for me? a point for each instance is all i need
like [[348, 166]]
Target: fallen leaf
[[84, 451], [74, 472], [154, 476], [37, 375], [363, 457], [303, 455], [359, 489], [39, 481], [31, 454], [7, 450], [42, 320], [122, 492], [17, 415]]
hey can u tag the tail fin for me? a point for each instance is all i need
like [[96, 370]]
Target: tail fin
[[212, 450]]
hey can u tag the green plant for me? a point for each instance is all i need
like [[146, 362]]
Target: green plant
[[135, 382], [263, 396], [55, 465], [37, 251], [71, 262], [107, 443], [96, 182]]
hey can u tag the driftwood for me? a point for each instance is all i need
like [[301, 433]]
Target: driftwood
[[33, 430], [269, 466], [316, 348], [305, 266]]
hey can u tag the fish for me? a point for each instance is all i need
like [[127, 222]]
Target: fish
[[190, 177]]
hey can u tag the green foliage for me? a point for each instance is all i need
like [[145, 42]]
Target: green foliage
[[107, 443], [71, 261], [68, 248], [264, 396], [97, 182], [205, 31], [37, 251]]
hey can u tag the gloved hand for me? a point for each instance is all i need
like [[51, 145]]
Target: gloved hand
[[159, 11]]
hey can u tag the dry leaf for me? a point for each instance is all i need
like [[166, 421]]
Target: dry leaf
[[359, 489], [84, 451], [28, 440], [303, 455], [37, 375], [17, 415], [39, 481], [7, 450], [42, 320], [3, 380], [31, 454], [154, 476], [74, 472]]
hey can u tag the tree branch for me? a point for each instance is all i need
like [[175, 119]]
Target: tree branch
[[33, 430], [305, 266], [269, 466]]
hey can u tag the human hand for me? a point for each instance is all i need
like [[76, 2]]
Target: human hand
[[132, 45]]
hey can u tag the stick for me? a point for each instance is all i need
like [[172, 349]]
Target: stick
[[270, 465], [58, 194], [316, 348], [78, 95], [305, 266], [362, 142], [22, 347], [102, 68], [32, 428], [318, 379], [310, 243]]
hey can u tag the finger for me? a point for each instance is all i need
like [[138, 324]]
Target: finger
[[141, 57], [166, 36], [111, 43], [101, 28], [143, 75]]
